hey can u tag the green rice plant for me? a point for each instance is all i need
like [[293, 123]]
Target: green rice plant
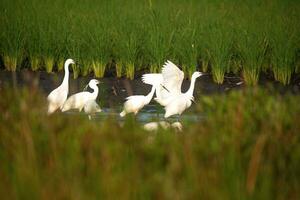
[[146, 34], [119, 69], [98, 68], [220, 38], [187, 48], [12, 39], [129, 67], [10, 62], [161, 39], [155, 68], [128, 51], [86, 68], [60, 64], [204, 64], [76, 71], [284, 45], [35, 63], [49, 63], [252, 46]]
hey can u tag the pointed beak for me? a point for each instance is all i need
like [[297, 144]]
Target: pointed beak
[[164, 88], [203, 73], [85, 88]]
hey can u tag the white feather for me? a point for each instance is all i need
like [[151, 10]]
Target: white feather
[[57, 97], [78, 100]]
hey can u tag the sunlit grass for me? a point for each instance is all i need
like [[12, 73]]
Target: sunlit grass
[[10, 62], [35, 63], [98, 68], [129, 70], [119, 69], [49, 64], [225, 37]]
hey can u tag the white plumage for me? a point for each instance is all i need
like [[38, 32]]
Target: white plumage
[[79, 100], [57, 97], [153, 126], [135, 103], [168, 89], [91, 107]]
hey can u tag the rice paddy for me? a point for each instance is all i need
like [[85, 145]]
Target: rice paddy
[[247, 38], [246, 147]]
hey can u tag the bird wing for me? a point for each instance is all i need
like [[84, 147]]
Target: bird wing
[[58, 95], [172, 78], [77, 99], [137, 97], [91, 106], [152, 79]]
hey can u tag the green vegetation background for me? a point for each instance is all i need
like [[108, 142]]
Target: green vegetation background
[[243, 37]]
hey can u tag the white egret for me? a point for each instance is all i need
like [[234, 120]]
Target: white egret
[[168, 88], [135, 103], [79, 100], [91, 107], [153, 126], [57, 97]]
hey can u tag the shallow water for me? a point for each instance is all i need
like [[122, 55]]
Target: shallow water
[[113, 91]]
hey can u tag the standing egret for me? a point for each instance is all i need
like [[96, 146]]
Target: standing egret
[[135, 103], [79, 100], [168, 89], [57, 97], [91, 107]]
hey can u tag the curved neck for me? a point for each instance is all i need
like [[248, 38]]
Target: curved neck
[[66, 77], [191, 89], [96, 90], [150, 95]]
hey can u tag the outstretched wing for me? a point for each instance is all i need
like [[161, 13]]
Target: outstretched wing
[[172, 78], [152, 79]]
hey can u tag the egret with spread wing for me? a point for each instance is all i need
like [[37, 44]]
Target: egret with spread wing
[[168, 88]]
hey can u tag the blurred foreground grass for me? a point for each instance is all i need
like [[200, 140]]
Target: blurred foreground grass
[[247, 147]]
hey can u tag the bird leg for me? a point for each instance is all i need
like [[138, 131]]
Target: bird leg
[[178, 118]]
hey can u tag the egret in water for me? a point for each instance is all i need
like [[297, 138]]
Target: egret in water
[[91, 107], [79, 100], [153, 126], [168, 89], [57, 97], [135, 103]]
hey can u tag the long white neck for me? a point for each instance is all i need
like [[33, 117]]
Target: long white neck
[[150, 95], [66, 77], [95, 92], [190, 91]]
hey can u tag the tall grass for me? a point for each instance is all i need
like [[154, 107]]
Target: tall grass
[[144, 34], [246, 147], [252, 47], [220, 43], [284, 45], [12, 39]]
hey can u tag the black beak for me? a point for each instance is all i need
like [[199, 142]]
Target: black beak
[[164, 87]]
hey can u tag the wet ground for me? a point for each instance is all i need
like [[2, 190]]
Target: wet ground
[[113, 91]]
